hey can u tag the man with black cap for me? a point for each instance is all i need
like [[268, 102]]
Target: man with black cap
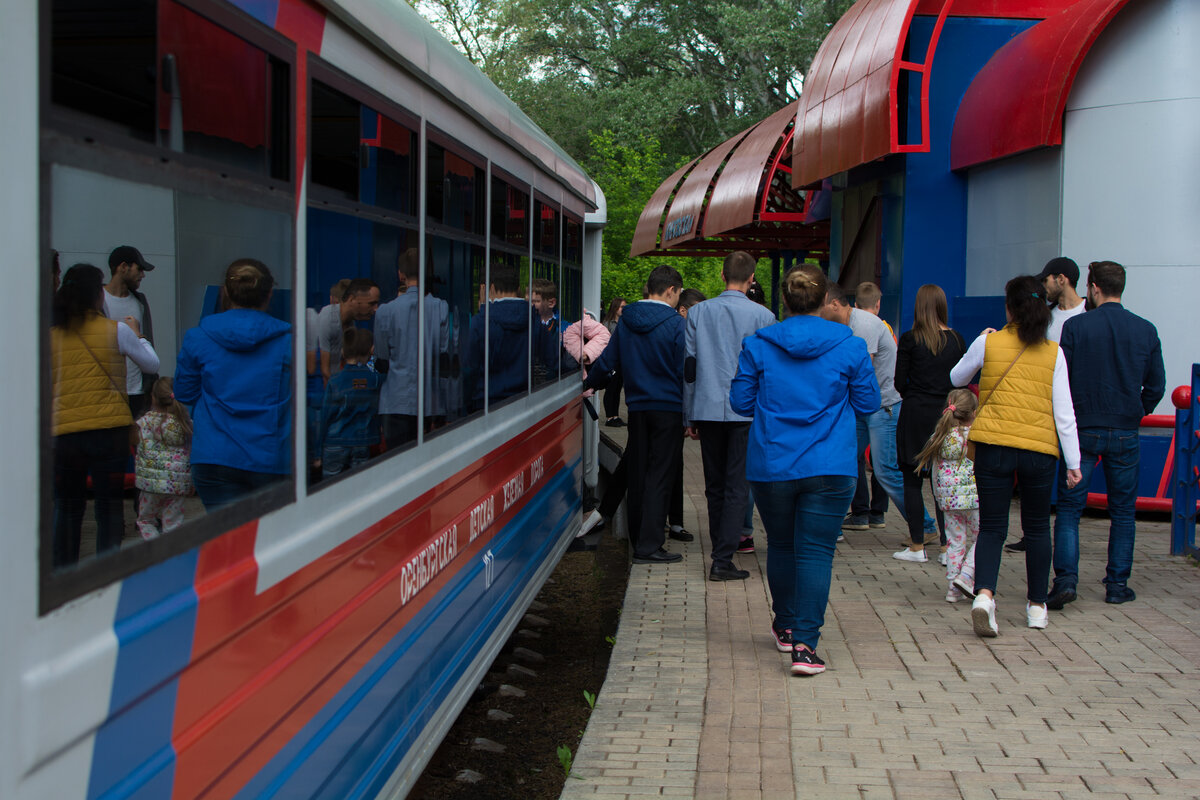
[[122, 299], [1060, 276]]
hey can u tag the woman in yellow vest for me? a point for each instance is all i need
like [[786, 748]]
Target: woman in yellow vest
[[89, 414], [1025, 410]]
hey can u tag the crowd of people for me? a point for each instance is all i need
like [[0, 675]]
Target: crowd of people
[[785, 412]]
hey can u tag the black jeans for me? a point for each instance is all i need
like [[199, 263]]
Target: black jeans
[[399, 430], [654, 451], [995, 468], [868, 500], [723, 450], [914, 505], [612, 397], [103, 454]]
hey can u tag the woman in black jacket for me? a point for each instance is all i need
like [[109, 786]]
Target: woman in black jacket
[[924, 358]]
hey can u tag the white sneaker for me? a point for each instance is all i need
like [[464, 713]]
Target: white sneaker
[[943, 559], [983, 616], [917, 556], [590, 522], [965, 584], [1036, 616], [954, 594]]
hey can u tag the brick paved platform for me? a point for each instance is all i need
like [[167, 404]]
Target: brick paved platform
[[1105, 703]]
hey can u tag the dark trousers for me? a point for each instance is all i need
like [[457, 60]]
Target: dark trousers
[[612, 397], [398, 429], [102, 454], [914, 505], [873, 501], [675, 513], [723, 451], [654, 451], [995, 467], [219, 486], [614, 491]]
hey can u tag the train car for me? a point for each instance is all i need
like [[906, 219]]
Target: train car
[[314, 635]]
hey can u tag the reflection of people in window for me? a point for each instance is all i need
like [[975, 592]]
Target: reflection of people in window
[[396, 342], [235, 368], [509, 322], [350, 413], [359, 303], [90, 417]]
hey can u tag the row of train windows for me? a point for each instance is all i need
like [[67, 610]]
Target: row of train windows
[[159, 72], [494, 312], [397, 352]]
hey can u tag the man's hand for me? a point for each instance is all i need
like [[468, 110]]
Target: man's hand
[[1074, 476], [986, 331], [133, 323]]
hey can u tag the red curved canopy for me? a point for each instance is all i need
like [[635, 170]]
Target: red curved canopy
[[1017, 100], [736, 196]]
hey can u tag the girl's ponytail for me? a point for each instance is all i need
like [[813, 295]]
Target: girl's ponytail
[[163, 393], [960, 408]]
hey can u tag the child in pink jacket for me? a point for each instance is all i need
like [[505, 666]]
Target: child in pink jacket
[[585, 340]]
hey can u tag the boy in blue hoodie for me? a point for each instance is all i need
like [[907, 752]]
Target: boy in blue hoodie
[[350, 413], [647, 348]]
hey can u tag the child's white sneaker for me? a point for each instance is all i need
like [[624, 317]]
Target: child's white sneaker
[[965, 584], [943, 559], [1036, 616], [983, 616], [953, 595]]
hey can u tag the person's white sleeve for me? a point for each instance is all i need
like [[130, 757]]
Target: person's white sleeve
[[311, 320], [970, 363], [140, 350], [1064, 412]]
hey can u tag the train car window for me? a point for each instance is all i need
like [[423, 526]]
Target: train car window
[[361, 278], [454, 271], [571, 293], [510, 214], [173, 308], [546, 291], [164, 74], [360, 153], [454, 190]]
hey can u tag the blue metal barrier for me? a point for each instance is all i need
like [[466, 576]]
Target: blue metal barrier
[[1187, 466]]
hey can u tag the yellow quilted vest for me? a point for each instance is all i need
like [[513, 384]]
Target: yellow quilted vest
[[88, 392], [1020, 412]]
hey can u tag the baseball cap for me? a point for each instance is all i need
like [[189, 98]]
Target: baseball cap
[[1060, 266], [131, 255]]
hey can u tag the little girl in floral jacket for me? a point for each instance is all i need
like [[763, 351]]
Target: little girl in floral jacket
[[162, 462]]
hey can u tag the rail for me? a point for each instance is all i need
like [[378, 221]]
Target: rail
[[1187, 466]]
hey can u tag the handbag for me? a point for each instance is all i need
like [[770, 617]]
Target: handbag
[[982, 403]]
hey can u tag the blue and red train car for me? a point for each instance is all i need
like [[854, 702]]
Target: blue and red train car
[[317, 639]]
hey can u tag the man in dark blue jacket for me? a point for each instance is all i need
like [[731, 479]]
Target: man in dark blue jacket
[[1114, 358], [647, 348]]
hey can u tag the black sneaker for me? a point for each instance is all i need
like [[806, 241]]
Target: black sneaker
[[1119, 594], [746, 545], [876, 521], [805, 661], [855, 522], [783, 639], [1015, 547], [615, 422]]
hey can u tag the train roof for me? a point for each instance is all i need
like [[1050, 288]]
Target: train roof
[[406, 37]]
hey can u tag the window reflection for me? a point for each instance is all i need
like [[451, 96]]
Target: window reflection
[[151, 283], [571, 293], [457, 270], [499, 336], [454, 187]]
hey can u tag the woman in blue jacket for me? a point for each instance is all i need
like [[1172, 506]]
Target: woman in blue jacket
[[236, 369], [803, 381]]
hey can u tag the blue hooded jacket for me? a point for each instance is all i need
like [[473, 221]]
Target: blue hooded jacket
[[803, 381], [647, 348], [236, 369], [509, 323]]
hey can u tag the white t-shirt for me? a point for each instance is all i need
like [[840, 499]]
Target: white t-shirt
[[1058, 318], [119, 308]]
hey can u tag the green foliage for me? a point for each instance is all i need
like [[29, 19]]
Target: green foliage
[[590, 697], [565, 758]]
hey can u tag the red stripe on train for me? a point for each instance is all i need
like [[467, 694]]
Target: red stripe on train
[[264, 665]]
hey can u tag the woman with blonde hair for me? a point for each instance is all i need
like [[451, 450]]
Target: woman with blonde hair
[[803, 381], [924, 358]]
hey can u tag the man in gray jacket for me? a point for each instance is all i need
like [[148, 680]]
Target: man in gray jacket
[[714, 334]]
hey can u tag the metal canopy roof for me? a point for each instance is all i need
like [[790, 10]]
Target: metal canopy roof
[[1017, 100], [736, 196], [849, 113]]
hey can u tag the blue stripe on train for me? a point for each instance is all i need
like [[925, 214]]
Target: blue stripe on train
[[155, 622], [351, 748]]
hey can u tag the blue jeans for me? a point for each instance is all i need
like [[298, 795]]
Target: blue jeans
[[1119, 454], [803, 519], [220, 486], [995, 467], [336, 459], [879, 430]]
